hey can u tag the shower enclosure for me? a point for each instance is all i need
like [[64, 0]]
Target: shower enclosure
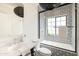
[[58, 26]]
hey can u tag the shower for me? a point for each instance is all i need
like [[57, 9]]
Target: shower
[[57, 19]]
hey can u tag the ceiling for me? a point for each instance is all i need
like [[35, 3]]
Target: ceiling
[[50, 6]]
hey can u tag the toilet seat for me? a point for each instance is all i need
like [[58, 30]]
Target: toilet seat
[[44, 51]]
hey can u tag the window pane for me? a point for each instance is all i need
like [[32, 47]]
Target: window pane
[[49, 19], [58, 19], [58, 24], [57, 31], [63, 18], [52, 28], [53, 32], [49, 28], [53, 19], [50, 32], [63, 23], [53, 24], [49, 24]]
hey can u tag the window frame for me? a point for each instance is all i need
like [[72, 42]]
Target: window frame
[[55, 23], [62, 16]]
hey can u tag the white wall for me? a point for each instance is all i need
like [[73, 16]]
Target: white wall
[[10, 24], [30, 22]]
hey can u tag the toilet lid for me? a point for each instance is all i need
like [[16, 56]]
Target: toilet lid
[[44, 50]]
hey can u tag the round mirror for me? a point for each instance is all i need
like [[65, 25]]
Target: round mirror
[[19, 10]]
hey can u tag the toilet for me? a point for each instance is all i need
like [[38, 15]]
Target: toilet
[[44, 51]]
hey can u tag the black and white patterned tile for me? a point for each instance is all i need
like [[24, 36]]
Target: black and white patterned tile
[[57, 51]]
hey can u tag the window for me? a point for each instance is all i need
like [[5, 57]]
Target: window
[[61, 21], [51, 26], [54, 23]]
